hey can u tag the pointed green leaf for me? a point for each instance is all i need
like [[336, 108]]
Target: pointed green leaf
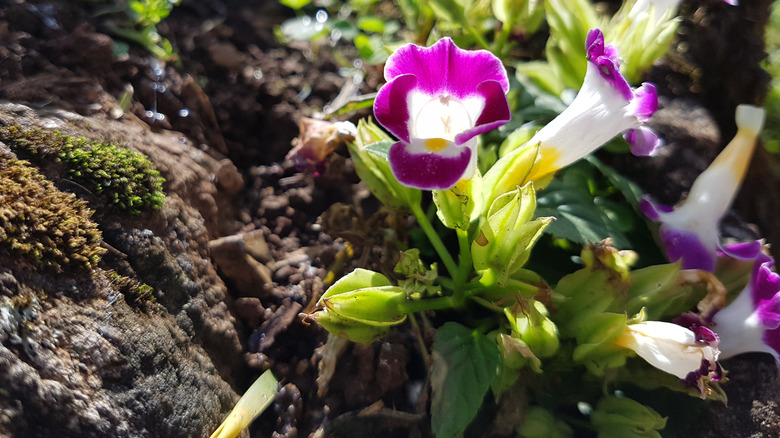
[[465, 362]]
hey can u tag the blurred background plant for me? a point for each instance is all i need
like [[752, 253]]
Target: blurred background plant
[[135, 21]]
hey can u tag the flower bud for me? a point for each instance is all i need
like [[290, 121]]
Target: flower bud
[[504, 242], [457, 205], [621, 417], [361, 306], [530, 322], [369, 154]]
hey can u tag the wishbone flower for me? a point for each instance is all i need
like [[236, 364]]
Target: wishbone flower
[[605, 106], [690, 355], [436, 101], [751, 323], [690, 231]]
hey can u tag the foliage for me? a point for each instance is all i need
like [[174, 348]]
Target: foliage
[[41, 224], [123, 178], [540, 271], [137, 22]]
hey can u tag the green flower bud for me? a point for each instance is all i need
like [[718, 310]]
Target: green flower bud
[[457, 205], [504, 242], [509, 172], [541, 423], [621, 417], [589, 311], [361, 306], [530, 322], [369, 154]]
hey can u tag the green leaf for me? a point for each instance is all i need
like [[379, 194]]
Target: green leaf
[[581, 217], [380, 148], [371, 24], [465, 362], [255, 400], [295, 4]]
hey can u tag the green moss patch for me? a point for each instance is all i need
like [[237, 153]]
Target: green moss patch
[[125, 179], [42, 224]]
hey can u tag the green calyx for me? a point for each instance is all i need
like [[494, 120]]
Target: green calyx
[[504, 242], [361, 306], [369, 154]]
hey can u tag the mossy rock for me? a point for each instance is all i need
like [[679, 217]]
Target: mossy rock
[[43, 225], [123, 178]]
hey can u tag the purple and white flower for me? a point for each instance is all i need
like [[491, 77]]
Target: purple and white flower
[[605, 106], [690, 230], [690, 354], [436, 101], [751, 323]]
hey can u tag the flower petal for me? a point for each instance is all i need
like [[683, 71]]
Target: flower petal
[[429, 170], [645, 102], [444, 68], [643, 141], [687, 245], [604, 57], [652, 209], [391, 108], [495, 111]]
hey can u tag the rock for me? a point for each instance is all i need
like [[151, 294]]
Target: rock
[[75, 358], [249, 309], [228, 177], [247, 274]]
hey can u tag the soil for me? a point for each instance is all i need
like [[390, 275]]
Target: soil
[[246, 241]]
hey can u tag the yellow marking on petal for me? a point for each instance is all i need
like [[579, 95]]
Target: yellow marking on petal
[[736, 156], [545, 164], [435, 144]]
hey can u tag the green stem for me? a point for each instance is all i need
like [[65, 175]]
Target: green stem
[[464, 267], [426, 305], [481, 41], [435, 240], [488, 305]]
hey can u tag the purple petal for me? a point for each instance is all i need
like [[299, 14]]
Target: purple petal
[[391, 108], [643, 141], [652, 209], [742, 251], [645, 101], [685, 245], [772, 339], [605, 58], [732, 2], [608, 69], [427, 171], [594, 44], [495, 113], [444, 68], [765, 292]]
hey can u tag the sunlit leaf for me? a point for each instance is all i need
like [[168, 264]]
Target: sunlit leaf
[[255, 400]]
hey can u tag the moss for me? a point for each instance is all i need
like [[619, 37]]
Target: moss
[[43, 225], [134, 290], [123, 178]]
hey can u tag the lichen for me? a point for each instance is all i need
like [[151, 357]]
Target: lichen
[[125, 179], [43, 225]]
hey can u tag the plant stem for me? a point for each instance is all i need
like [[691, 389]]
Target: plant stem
[[464, 266], [481, 41], [435, 240], [488, 305], [426, 304]]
